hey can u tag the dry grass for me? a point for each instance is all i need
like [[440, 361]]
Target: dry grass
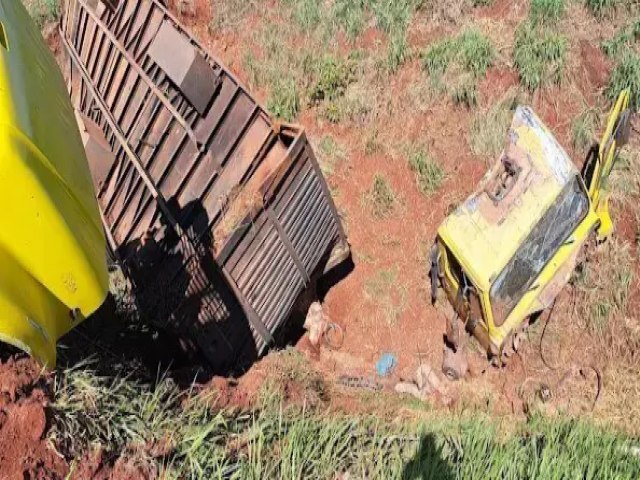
[[388, 295], [380, 199]]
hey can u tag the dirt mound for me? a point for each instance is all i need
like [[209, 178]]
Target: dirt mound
[[595, 63], [24, 452]]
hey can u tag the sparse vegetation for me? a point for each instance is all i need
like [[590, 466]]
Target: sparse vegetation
[[467, 57], [539, 55], [43, 11], [429, 175], [601, 7], [387, 293], [605, 293], [330, 154], [583, 129], [622, 40], [381, 198]]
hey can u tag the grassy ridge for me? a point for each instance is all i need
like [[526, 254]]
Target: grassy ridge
[[274, 441]]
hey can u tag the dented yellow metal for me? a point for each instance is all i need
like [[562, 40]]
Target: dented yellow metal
[[52, 249], [481, 238]]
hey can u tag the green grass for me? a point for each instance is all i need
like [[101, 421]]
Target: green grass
[[381, 198], [455, 64], [429, 175], [43, 11], [583, 129], [350, 16], [626, 74], [284, 99], [278, 441], [546, 11], [538, 55]]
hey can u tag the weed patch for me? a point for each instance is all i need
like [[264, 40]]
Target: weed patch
[[381, 198], [455, 64], [331, 78], [429, 175], [539, 55]]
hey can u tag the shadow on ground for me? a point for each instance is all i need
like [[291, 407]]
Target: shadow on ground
[[427, 464]]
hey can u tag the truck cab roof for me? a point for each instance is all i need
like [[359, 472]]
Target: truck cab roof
[[487, 229]]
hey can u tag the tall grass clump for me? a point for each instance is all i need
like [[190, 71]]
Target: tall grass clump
[[546, 11], [539, 55], [429, 174], [284, 99], [626, 74], [455, 64]]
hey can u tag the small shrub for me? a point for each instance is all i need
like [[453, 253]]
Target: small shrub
[[626, 74], [546, 11], [429, 175], [476, 52], [381, 197], [583, 129], [539, 56], [284, 101], [332, 77]]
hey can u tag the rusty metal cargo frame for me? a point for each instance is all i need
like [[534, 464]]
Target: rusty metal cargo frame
[[277, 249]]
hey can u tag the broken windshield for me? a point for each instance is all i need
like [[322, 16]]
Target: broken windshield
[[568, 210]]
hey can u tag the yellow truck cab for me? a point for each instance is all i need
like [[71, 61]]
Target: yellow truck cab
[[508, 250], [53, 269]]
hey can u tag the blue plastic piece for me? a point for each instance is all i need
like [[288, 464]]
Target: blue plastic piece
[[386, 363]]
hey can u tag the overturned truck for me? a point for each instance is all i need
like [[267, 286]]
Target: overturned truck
[[218, 214]]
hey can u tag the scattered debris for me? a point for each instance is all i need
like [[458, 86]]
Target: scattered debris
[[425, 384], [352, 381], [385, 364]]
